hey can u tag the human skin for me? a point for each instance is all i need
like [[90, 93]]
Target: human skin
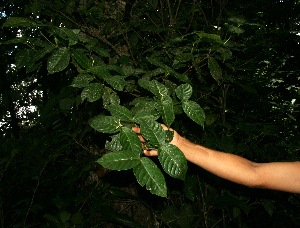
[[282, 176]]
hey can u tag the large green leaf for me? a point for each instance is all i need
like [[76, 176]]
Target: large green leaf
[[165, 108], [149, 175], [92, 92], [120, 111], [121, 160], [172, 160], [130, 141], [194, 111], [152, 131], [184, 92], [214, 69], [106, 124], [59, 60]]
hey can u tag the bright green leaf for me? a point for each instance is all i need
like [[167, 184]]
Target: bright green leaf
[[214, 69], [130, 141], [92, 92], [184, 92], [106, 124], [149, 175], [172, 160], [194, 111], [121, 160], [59, 60]]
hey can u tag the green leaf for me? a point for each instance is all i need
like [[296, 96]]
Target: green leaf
[[172, 160], [110, 97], [152, 131], [81, 58], [235, 29], [212, 37], [214, 69], [64, 216], [165, 108], [114, 144], [130, 141], [120, 112], [121, 160], [59, 60], [184, 92], [100, 71], [19, 22], [106, 124], [117, 82], [149, 175], [183, 57], [82, 80], [152, 114], [23, 57], [158, 89], [92, 92], [194, 111]]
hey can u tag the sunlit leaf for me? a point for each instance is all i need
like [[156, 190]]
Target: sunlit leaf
[[121, 160], [172, 160], [149, 175]]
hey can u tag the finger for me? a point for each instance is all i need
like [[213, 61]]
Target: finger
[[141, 138], [136, 130], [150, 153]]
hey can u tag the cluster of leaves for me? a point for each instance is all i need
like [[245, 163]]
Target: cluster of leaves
[[111, 65]]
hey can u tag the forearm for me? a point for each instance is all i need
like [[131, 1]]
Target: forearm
[[283, 176], [225, 165]]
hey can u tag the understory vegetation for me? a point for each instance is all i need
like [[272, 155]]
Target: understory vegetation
[[76, 75]]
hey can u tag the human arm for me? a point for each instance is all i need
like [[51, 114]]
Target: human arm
[[283, 176]]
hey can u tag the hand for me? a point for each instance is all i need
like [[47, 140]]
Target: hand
[[147, 152]]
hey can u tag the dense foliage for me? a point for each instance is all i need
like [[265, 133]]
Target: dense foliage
[[76, 75]]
